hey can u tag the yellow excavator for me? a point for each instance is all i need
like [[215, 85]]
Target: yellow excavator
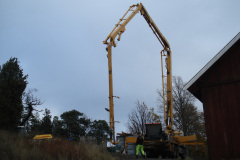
[[172, 141]]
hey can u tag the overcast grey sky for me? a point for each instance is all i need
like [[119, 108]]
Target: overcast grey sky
[[59, 45]]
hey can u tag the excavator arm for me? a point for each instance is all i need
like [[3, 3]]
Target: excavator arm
[[110, 41]]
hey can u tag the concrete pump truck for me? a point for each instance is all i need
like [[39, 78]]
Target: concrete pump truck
[[157, 142]]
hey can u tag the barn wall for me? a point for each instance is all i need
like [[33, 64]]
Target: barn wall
[[225, 70], [220, 94], [222, 118]]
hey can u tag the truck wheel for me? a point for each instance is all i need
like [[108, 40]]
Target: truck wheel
[[182, 156], [175, 154], [164, 156], [150, 154], [147, 154]]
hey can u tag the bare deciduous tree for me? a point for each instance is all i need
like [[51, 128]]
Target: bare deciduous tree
[[30, 102], [138, 118], [186, 116]]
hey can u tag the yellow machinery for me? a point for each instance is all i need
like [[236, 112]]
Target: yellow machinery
[[110, 41], [173, 144], [44, 136]]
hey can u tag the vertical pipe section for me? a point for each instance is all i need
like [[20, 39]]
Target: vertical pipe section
[[163, 86], [169, 90], [111, 105], [111, 108]]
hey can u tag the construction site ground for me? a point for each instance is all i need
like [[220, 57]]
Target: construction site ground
[[120, 156]]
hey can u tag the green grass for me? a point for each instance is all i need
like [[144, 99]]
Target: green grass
[[20, 147]]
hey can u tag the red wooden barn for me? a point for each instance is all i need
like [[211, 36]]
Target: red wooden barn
[[217, 86]]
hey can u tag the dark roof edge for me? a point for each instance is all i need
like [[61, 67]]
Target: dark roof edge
[[212, 61]]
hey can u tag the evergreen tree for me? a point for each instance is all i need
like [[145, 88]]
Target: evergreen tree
[[97, 129], [58, 130], [35, 123], [75, 124], [46, 123], [12, 85]]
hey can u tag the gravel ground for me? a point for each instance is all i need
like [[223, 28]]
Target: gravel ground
[[120, 156]]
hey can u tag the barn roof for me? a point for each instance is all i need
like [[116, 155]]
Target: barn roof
[[211, 62]]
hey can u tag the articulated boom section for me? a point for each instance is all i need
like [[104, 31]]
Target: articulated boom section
[[154, 28], [120, 26], [110, 41], [166, 48]]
